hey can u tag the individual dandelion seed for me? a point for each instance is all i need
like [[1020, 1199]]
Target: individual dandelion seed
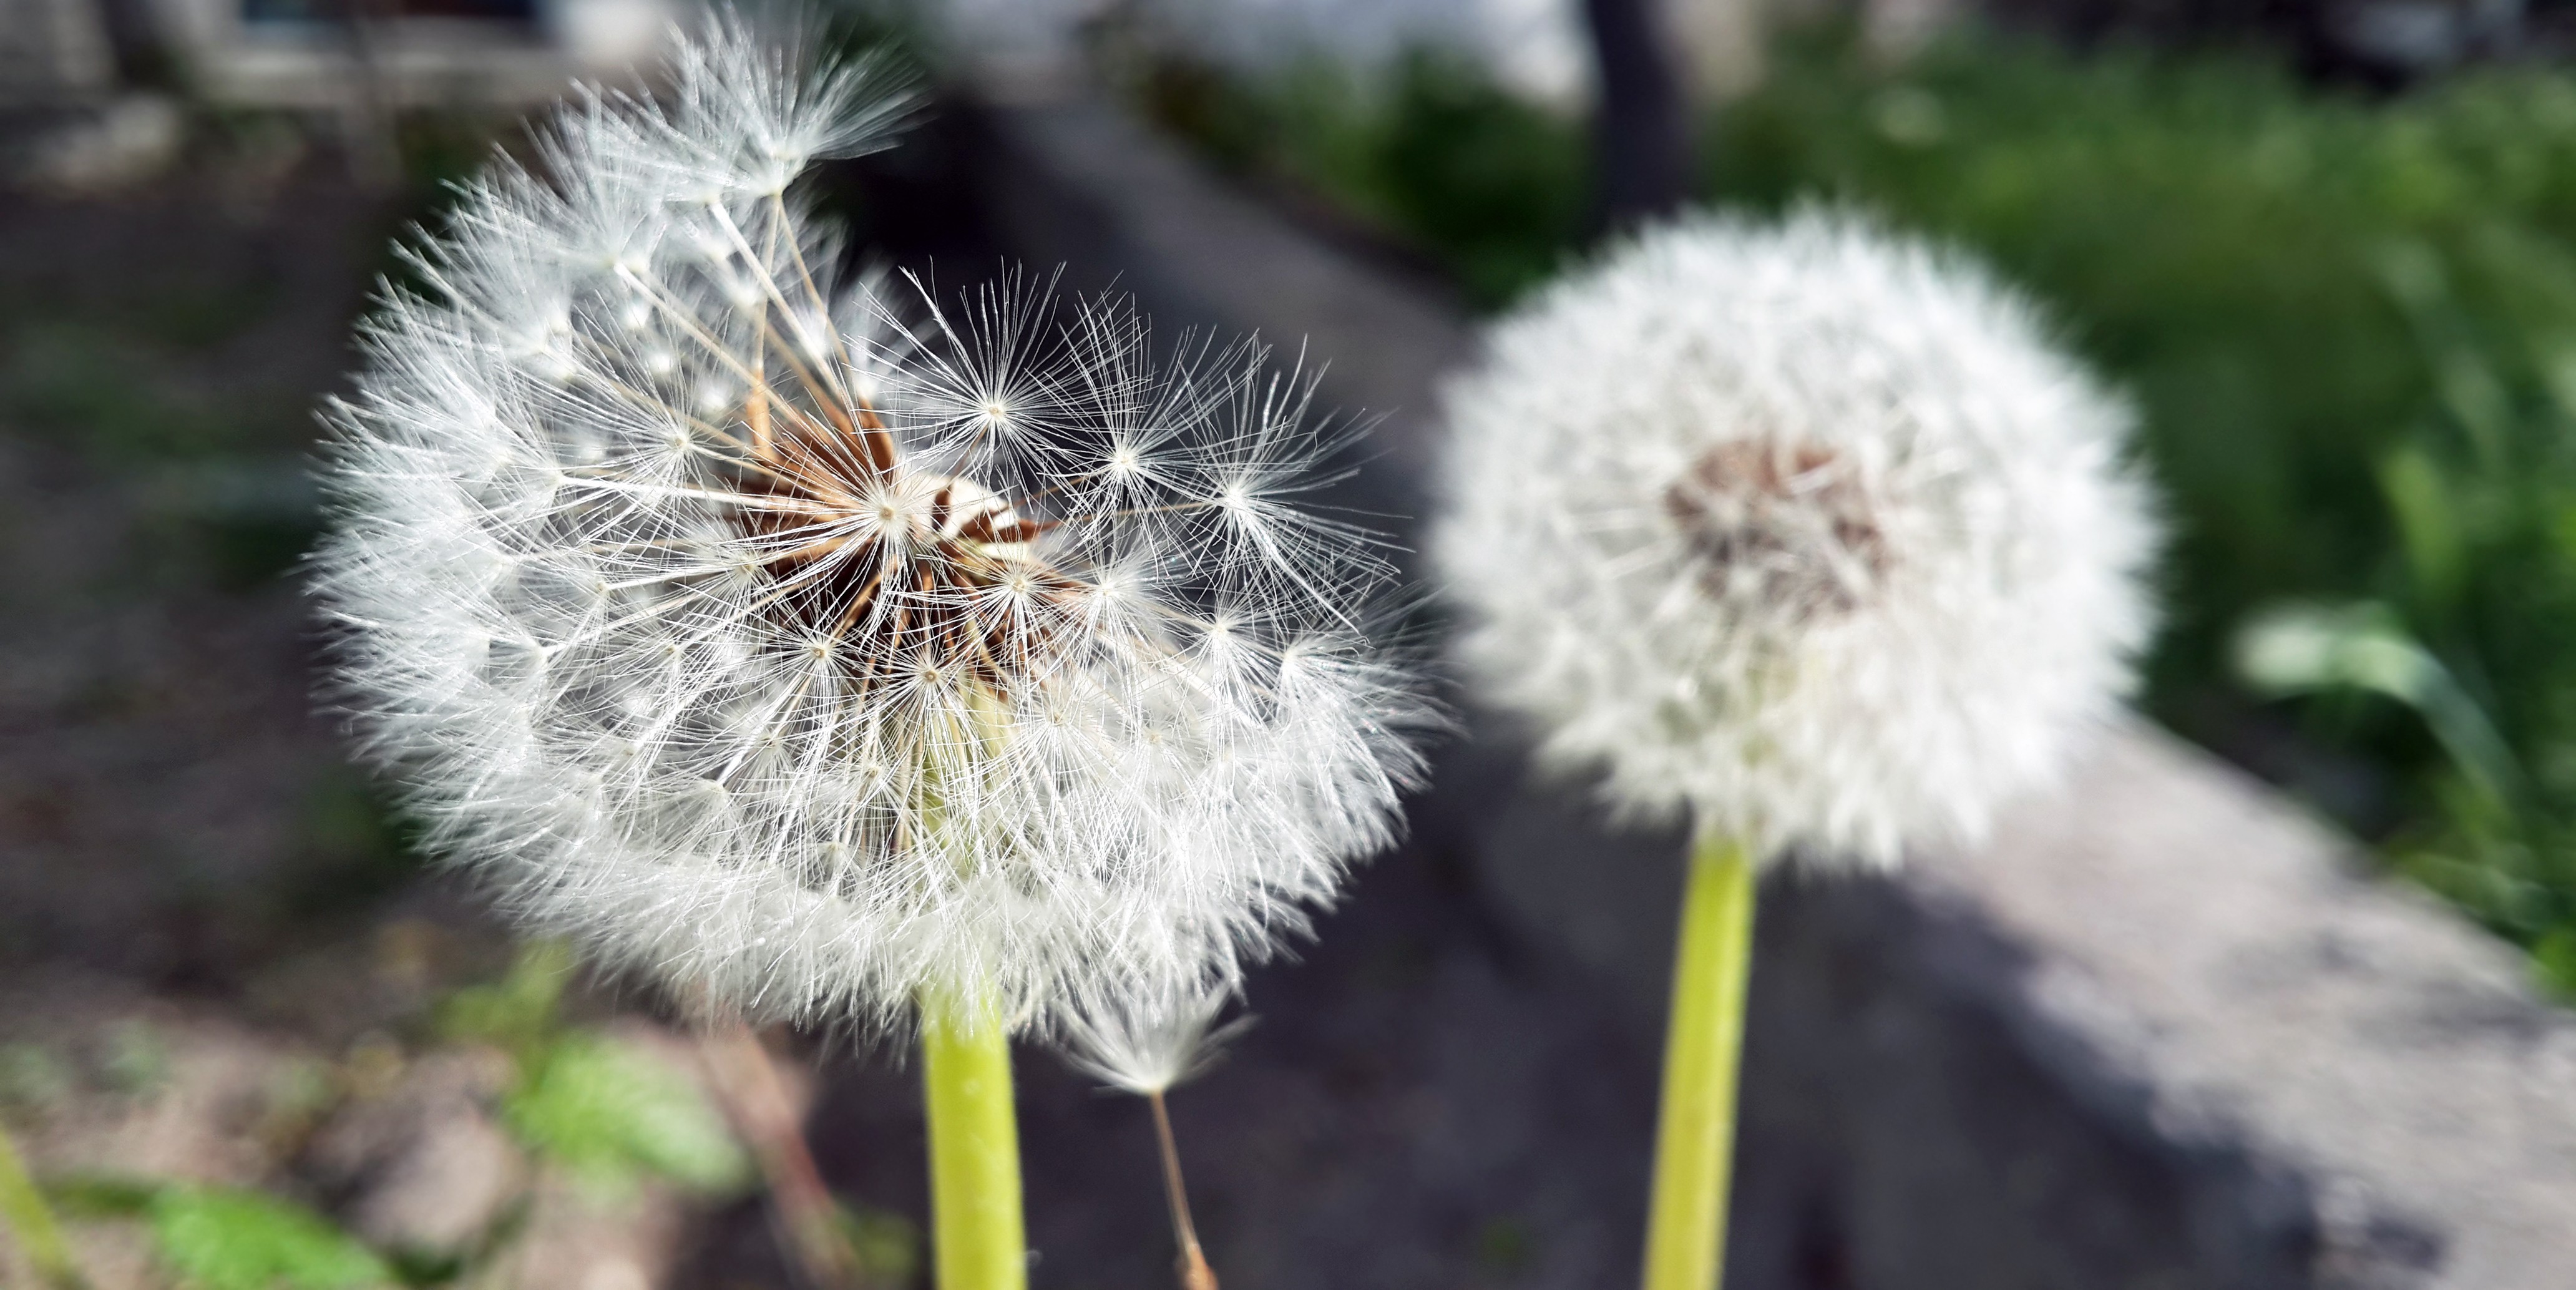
[[835, 649], [1804, 532], [1148, 1047]]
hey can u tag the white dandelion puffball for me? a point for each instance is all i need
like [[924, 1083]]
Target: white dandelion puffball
[[1800, 529], [816, 642]]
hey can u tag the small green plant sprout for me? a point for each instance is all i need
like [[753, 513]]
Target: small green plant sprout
[[522, 1012], [1147, 1048], [611, 1117], [585, 1103], [216, 1238], [228, 1238], [1801, 532], [886, 1247], [831, 650]]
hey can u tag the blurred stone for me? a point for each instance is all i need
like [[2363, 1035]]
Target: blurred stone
[[452, 58], [1723, 45], [131, 140], [53, 50], [426, 1167], [582, 1240], [443, 1193]]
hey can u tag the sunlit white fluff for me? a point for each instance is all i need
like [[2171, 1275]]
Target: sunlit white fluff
[[813, 642], [1150, 1044], [1802, 529]]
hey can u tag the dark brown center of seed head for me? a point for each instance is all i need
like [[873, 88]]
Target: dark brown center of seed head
[[899, 575], [1785, 522]]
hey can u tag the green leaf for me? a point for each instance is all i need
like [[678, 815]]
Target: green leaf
[[223, 1239], [2554, 959], [2301, 648], [611, 1114], [102, 1195], [2426, 506], [886, 1246], [518, 1012]]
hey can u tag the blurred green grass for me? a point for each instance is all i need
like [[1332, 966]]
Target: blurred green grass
[[2350, 326], [1436, 155]]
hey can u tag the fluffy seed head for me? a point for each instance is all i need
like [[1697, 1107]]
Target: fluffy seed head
[[1803, 529], [812, 643]]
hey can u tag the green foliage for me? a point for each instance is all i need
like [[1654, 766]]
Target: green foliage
[[2483, 499], [357, 845], [33, 1079], [2296, 649], [885, 1246], [101, 1195], [520, 1012], [221, 1239], [100, 389], [606, 1112], [891, 30], [611, 1115], [1433, 152], [137, 1063], [2350, 326]]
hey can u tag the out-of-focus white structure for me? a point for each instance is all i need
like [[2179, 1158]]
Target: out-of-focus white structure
[[327, 53], [1535, 46], [53, 51], [1034, 47], [1540, 48], [406, 54]]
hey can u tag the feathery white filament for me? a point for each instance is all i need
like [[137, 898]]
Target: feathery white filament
[[1148, 1045], [1801, 527], [816, 645]]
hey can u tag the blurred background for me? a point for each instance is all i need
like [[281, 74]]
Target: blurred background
[[2324, 244]]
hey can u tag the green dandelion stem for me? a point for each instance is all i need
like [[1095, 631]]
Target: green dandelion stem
[[1703, 1049], [978, 1241]]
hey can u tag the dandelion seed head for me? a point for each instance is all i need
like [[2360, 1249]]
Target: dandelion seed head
[[1800, 529], [792, 636], [1149, 1044]]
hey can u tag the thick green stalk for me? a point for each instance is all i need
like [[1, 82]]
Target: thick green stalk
[[1703, 1047], [25, 1215], [977, 1239]]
